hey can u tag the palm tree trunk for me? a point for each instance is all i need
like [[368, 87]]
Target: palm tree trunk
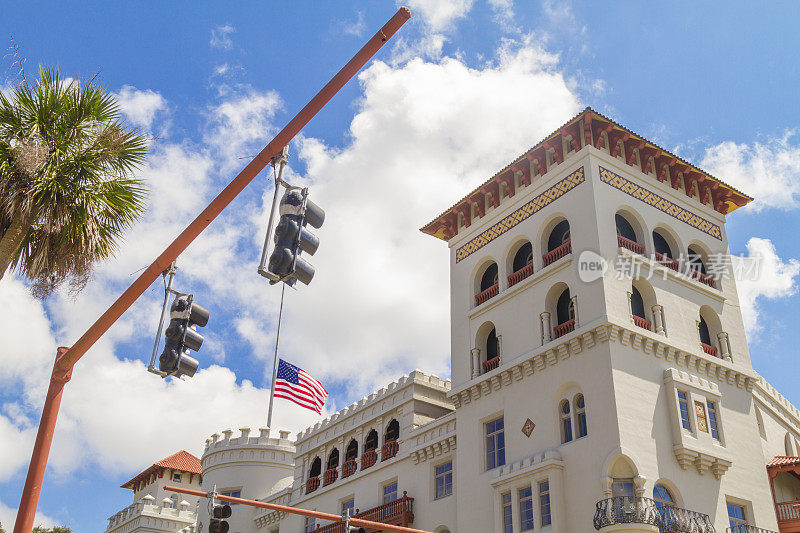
[[11, 241]]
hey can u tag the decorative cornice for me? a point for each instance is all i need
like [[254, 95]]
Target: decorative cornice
[[702, 461], [433, 439], [588, 128], [533, 464], [585, 337]]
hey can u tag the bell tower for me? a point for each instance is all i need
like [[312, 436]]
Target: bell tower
[[598, 351]]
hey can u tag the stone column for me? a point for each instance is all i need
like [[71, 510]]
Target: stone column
[[546, 334], [574, 301], [638, 482], [724, 346], [476, 362], [606, 483], [658, 319], [500, 349]]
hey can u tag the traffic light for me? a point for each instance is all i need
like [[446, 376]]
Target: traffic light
[[218, 524], [181, 336], [292, 237]]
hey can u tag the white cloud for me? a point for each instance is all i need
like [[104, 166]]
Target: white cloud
[[768, 171], [140, 107], [8, 516], [356, 27], [220, 37], [764, 275], [439, 15]]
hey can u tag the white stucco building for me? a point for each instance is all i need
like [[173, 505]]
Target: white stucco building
[[601, 377]]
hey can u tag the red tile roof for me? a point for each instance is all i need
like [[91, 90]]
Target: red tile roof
[[783, 460], [182, 460]]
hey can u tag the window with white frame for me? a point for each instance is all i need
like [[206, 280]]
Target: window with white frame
[[683, 405], [348, 507], [544, 502], [525, 509], [176, 477], [237, 493], [443, 480], [311, 524], [390, 492], [495, 444], [508, 519], [712, 418], [566, 421], [581, 429]]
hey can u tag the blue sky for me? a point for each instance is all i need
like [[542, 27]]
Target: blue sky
[[464, 87]]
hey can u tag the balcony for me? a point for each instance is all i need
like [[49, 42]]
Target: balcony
[[483, 296], [710, 350], [628, 510], [520, 274], [562, 329], [628, 244], [399, 512], [668, 262], [641, 322], [389, 450], [557, 253], [330, 476], [349, 468], [747, 528], [312, 484], [788, 516], [368, 459], [705, 279], [491, 364]]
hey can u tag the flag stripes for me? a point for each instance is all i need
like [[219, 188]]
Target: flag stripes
[[296, 385]]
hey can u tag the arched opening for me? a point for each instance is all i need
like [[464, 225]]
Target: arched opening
[[565, 314], [488, 286], [662, 247], [696, 263], [639, 308], [581, 429], [705, 335], [565, 415], [492, 351], [522, 264], [665, 248], [333, 459], [627, 235], [316, 467], [392, 431], [488, 345], [371, 442], [351, 452], [695, 259], [558, 243], [665, 505], [708, 328]]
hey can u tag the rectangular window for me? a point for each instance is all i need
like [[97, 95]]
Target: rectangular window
[[544, 502], [683, 402], [525, 509], [712, 419], [390, 492], [700, 413], [736, 517], [443, 480], [508, 520], [311, 524], [495, 444], [348, 507], [233, 493], [176, 477]]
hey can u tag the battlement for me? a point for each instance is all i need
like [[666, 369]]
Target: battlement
[[146, 512], [222, 448], [417, 377], [778, 400]]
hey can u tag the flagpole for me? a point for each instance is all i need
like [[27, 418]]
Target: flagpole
[[275, 360]]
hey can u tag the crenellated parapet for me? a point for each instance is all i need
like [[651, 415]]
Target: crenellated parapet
[[223, 449], [777, 402], [148, 515]]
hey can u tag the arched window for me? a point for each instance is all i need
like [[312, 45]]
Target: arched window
[[566, 421], [661, 245], [637, 303], [565, 309], [333, 459], [558, 236], [492, 345], [523, 257], [316, 467], [695, 260], [581, 430], [371, 442], [705, 336], [352, 451], [489, 277], [392, 431], [624, 228], [665, 504]]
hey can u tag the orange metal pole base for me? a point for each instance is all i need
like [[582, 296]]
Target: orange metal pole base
[[41, 448], [356, 522], [67, 357]]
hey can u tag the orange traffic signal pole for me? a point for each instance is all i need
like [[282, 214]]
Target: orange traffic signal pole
[[67, 357], [356, 522]]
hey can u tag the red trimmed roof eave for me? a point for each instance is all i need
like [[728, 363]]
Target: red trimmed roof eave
[[182, 460], [433, 226], [783, 460]]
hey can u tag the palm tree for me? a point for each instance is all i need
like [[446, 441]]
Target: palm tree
[[67, 192]]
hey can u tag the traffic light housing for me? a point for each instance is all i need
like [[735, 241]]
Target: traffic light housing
[[218, 524], [181, 336], [293, 237]]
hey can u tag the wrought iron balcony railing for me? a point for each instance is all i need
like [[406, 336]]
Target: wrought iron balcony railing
[[747, 528], [629, 510]]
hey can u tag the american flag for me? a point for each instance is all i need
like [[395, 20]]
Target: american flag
[[296, 385]]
